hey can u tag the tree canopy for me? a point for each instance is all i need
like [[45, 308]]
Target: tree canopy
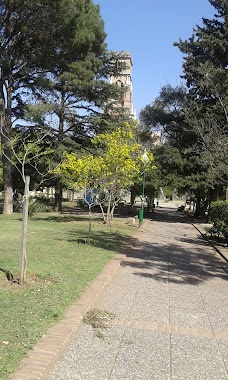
[[53, 56], [193, 118], [116, 165], [205, 71]]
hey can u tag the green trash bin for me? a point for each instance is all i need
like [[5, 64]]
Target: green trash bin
[[140, 216]]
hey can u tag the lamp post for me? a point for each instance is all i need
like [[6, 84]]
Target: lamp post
[[145, 159]]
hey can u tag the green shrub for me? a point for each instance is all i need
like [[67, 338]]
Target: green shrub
[[219, 217], [36, 205], [43, 200]]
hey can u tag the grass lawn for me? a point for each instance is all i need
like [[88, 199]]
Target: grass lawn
[[59, 268]]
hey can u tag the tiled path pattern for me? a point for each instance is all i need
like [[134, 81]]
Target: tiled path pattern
[[170, 298]]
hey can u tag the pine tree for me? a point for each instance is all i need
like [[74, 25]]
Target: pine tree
[[29, 36], [205, 71], [206, 53]]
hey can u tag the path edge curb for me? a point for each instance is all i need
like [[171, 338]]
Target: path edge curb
[[211, 243]]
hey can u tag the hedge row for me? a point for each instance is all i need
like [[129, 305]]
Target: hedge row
[[219, 219]]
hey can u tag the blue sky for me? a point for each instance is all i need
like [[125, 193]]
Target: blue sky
[[147, 29]]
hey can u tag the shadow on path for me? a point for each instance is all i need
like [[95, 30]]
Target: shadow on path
[[185, 266], [175, 254], [169, 215]]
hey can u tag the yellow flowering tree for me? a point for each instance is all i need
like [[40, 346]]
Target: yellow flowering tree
[[115, 167]]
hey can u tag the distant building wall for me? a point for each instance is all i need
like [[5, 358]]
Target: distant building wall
[[125, 80]]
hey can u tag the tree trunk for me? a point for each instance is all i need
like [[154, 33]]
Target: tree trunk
[[58, 184], [90, 225], [115, 203], [108, 215], [102, 211], [58, 195], [133, 196], [112, 211], [23, 258], [7, 180], [6, 153], [197, 212]]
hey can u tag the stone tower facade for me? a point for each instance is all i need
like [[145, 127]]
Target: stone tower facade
[[125, 80]]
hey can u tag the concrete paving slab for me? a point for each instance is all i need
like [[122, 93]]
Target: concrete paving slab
[[223, 347], [143, 355], [189, 318], [196, 358], [89, 356], [112, 298]]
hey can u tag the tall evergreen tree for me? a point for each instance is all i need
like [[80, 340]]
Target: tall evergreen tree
[[30, 32], [180, 160], [194, 121], [77, 88], [205, 71], [206, 53]]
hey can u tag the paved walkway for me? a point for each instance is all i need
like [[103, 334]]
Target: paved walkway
[[169, 295]]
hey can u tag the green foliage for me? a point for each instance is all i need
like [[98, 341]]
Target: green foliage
[[219, 217], [38, 205], [206, 51], [205, 72], [179, 165], [30, 35], [115, 167], [53, 55], [182, 159], [166, 115], [193, 119], [32, 156]]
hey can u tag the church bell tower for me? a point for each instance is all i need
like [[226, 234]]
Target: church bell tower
[[125, 80]]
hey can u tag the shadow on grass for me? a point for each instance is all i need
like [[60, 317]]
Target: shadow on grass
[[100, 239], [74, 217], [66, 218]]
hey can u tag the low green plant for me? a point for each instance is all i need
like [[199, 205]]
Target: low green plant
[[219, 218], [37, 205]]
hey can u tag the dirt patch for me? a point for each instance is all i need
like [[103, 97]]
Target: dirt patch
[[4, 283]]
